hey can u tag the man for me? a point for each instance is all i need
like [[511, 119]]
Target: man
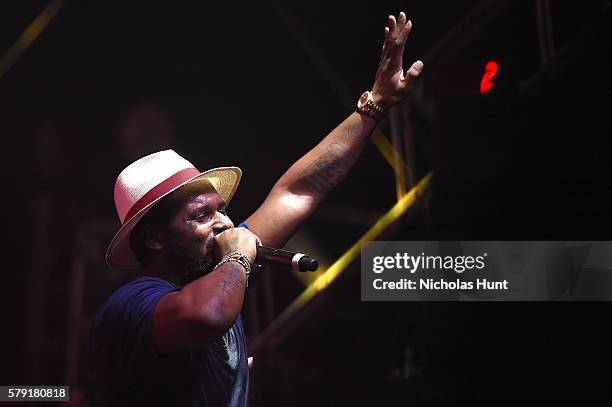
[[174, 336]]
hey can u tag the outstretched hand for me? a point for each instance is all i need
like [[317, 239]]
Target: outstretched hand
[[392, 83]]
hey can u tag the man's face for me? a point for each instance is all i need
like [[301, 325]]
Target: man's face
[[190, 233]]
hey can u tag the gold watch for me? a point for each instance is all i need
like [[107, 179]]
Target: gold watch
[[366, 105]]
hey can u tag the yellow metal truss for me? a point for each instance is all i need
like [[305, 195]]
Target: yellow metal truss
[[30, 34], [325, 279]]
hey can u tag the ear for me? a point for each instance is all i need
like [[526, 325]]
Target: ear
[[153, 237]]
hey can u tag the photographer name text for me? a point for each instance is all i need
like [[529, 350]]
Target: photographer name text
[[406, 263]]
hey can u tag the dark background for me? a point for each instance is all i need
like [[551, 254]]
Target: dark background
[[256, 84]]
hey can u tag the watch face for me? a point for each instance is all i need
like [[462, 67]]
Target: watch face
[[363, 99]]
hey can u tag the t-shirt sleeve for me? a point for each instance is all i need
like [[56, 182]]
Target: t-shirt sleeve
[[122, 330]]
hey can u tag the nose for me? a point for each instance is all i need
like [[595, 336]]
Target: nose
[[221, 224]]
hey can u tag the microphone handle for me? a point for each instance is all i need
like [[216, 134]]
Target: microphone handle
[[291, 260]]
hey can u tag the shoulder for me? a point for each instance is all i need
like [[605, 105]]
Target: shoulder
[[143, 286], [136, 297]]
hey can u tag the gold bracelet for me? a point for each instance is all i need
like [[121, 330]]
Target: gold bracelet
[[241, 258]]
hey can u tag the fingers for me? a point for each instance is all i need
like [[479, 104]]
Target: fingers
[[412, 72], [397, 34], [407, 29], [415, 69], [386, 35], [402, 19], [392, 23], [391, 81], [404, 32], [398, 29]]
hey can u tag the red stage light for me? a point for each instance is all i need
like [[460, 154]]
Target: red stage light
[[486, 82]]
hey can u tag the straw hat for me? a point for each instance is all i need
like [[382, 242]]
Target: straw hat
[[148, 180]]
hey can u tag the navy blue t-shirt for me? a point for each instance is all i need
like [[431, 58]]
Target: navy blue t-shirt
[[128, 371]]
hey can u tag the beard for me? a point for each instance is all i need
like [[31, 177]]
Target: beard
[[189, 264]]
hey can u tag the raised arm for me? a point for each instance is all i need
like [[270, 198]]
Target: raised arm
[[300, 190]]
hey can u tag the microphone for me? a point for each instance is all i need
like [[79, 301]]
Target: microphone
[[285, 259]]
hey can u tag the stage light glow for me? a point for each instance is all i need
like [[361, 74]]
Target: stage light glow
[[486, 83]]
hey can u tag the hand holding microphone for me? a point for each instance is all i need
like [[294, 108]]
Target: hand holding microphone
[[242, 239]]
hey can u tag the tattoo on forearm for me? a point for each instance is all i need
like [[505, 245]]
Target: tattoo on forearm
[[232, 281], [328, 170]]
